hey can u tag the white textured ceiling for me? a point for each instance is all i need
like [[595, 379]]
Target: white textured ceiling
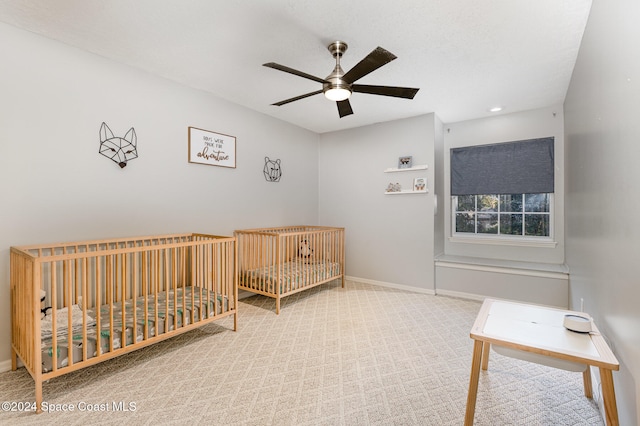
[[465, 55]]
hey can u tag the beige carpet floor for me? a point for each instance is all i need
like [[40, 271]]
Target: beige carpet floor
[[362, 355]]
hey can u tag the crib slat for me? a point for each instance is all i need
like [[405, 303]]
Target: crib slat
[[98, 285], [202, 279], [145, 295], [156, 282], [66, 295], [109, 297], [134, 293], [54, 321], [84, 286], [124, 267], [216, 285]]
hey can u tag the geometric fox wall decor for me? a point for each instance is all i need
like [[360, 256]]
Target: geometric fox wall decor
[[120, 150]]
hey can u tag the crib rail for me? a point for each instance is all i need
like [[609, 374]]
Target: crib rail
[[25, 310], [280, 261], [109, 297]]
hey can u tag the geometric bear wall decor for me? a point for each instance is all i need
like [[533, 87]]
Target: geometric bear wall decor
[[272, 171], [119, 150]]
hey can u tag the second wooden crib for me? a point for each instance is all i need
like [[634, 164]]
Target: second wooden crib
[[278, 262]]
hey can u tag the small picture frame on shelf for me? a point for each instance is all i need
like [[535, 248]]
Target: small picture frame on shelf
[[420, 184], [405, 162]]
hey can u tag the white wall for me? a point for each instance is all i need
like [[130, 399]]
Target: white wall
[[389, 237], [54, 186], [603, 148]]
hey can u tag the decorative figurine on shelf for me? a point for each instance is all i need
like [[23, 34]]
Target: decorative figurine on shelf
[[394, 187]]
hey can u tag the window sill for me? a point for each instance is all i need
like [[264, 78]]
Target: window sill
[[467, 262], [519, 242]]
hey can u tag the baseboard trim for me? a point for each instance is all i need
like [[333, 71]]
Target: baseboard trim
[[391, 285], [243, 294], [460, 295], [5, 366]]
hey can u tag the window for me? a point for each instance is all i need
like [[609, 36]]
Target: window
[[525, 215], [503, 190]]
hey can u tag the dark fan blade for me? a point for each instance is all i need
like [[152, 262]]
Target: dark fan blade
[[294, 72], [344, 108], [396, 92], [371, 62], [297, 98]]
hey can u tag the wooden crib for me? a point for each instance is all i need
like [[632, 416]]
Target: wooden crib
[[278, 262], [110, 297]]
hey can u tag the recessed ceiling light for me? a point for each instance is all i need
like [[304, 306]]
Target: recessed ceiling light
[[495, 109]]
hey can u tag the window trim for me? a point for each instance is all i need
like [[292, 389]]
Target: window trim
[[544, 242]]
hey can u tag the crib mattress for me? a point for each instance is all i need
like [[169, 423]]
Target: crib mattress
[[293, 275], [213, 304]]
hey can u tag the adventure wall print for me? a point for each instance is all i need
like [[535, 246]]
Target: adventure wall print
[[119, 150], [213, 149], [272, 170]]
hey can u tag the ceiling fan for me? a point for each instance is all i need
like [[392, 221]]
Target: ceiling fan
[[338, 86]]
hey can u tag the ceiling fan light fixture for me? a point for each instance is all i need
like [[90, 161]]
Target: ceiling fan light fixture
[[337, 94], [335, 88]]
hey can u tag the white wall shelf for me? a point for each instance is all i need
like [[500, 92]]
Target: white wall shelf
[[405, 192], [410, 169]]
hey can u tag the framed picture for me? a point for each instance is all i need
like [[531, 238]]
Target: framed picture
[[213, 149], [420, 184], [405, 162]]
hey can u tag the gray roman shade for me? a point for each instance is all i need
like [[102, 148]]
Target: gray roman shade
[[520, 167]]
